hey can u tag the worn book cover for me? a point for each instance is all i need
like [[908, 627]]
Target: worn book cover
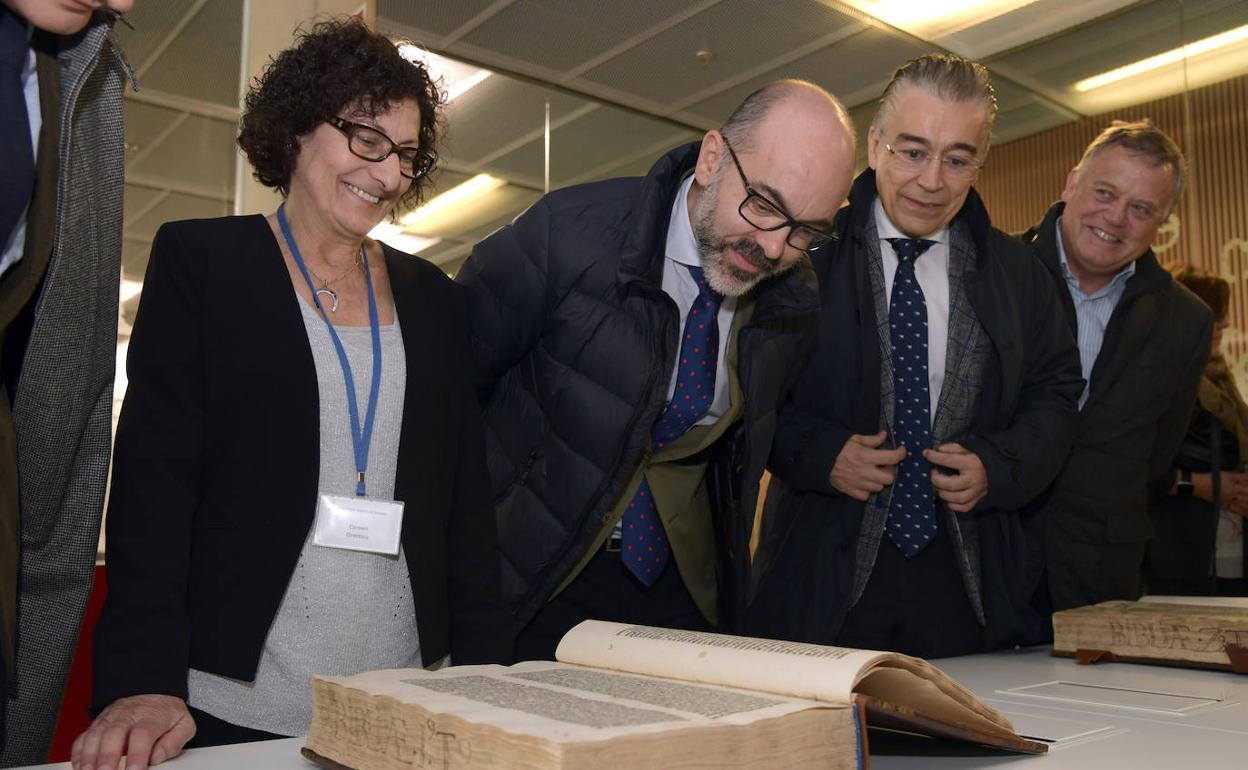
[[1181, 631]]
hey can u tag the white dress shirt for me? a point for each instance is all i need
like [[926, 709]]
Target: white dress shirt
[[1092, 312], [932, 272]]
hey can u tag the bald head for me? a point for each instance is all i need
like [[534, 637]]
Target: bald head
[[775, 174], [792, 98]]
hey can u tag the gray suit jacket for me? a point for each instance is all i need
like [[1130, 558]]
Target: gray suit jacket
[[63, 404]]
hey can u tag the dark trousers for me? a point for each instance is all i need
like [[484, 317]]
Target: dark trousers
[[211, 731], [606, 590], [917, 606]]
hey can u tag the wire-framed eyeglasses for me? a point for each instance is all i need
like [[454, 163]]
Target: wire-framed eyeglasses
[[955, 164], [761, 213], [372, 144]]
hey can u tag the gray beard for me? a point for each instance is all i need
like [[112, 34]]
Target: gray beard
[[722, 275]]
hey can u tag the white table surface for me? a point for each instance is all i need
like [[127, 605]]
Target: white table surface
[[262, 755], [1213, 736], [1203, 738]]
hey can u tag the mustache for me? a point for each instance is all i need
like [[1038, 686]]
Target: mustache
[[752, 252]]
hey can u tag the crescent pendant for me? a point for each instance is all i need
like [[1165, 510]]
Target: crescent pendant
[[333, 308]]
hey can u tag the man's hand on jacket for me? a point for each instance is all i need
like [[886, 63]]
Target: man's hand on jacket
[[862, 468], [962, 490]]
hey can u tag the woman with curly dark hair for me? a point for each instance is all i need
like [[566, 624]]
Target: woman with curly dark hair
[[298, 473]]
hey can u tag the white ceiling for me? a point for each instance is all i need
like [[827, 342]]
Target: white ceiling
[[625, 80]]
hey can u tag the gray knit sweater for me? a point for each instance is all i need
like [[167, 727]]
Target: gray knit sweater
[[344, 611]]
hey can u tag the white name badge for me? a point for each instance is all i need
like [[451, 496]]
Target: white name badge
[[358, 524]]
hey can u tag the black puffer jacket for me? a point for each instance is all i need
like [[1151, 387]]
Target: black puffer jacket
[[573, 339]]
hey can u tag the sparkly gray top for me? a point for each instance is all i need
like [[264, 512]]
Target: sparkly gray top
[[344, 611]]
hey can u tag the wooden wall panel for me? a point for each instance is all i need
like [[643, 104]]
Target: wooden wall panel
[[1210, 226]]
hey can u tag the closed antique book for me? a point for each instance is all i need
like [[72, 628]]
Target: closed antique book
[[1183, 631]]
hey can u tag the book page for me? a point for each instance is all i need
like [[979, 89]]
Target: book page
[[814, 671], [564, 703], [799, 670]]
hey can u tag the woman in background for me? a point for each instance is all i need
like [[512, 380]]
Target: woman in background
[[1199, 547], [298, 475]]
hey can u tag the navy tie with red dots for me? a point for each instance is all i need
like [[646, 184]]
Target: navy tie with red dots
[[912, 514], [644, 545]]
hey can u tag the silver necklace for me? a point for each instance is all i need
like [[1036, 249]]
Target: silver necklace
[[333, 296]]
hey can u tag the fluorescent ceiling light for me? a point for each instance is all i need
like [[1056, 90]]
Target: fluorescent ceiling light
[[936, 18], [1173, 56], [403, 241], [458, 196], [455, 78]]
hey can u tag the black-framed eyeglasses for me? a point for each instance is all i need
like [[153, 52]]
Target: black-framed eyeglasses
[[956, 164], [371, 144], [760, 212]]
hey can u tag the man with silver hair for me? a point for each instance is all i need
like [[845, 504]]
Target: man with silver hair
[[939, 400], [624, 441], [1143, 343]]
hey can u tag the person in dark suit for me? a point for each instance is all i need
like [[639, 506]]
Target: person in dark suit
[[938, 401], [297, 478], [628, 332], [1198, 543], [1143, 343], [61, 83]]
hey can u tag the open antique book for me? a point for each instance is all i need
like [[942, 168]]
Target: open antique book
[[636, 696], [1197, 631]]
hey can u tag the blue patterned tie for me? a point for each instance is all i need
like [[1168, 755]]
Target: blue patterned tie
[[911, 516], [644, 545]]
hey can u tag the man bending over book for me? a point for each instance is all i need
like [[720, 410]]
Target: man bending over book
[[630, 333], [939, 399]]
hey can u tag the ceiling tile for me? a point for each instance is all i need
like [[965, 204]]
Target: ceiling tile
[[664, 69], [203, 61], [1140, 32], [1025, 119], [199, 153], [443, 180], [1032, 21], [152, 23], [144, 123], [589, 142], [845, 68], [498, 112], [584, 29], [441, 18], [173, 208], [138, 199]]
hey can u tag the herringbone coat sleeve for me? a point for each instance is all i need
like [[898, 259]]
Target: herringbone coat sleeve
[[62, 412]]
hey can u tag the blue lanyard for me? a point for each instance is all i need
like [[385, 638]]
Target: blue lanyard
[[359, 438]]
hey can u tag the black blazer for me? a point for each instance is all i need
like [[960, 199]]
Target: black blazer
[[1144, 384], [215, 473], [1023, 424]]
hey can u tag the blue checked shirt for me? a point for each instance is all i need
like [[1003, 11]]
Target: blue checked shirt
[[1092, 311]]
